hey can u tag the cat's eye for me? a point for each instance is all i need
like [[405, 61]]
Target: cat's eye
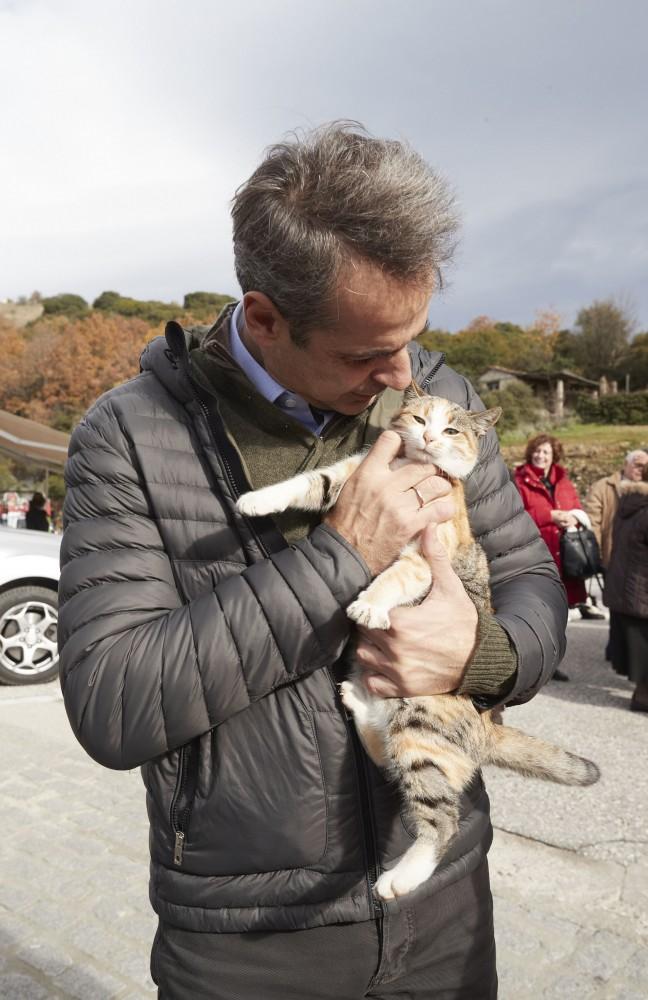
[[419, 420], [450, 430]]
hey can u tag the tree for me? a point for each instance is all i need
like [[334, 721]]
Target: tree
[[151, 311], [603, 332], [65, 305], [635, 363]]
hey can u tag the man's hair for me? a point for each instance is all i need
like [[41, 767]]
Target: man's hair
[[632, 455], [539, 439], [330, 196]]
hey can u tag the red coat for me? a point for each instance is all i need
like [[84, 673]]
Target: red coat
[[539, 503]]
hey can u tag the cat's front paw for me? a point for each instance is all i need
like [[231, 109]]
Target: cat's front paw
[[255, 504], [368, 615]]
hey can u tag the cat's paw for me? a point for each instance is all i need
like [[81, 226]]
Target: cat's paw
[[354, 702], [256, 504], [405, 877], [368, 615]]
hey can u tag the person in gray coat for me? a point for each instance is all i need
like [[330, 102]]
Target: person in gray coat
[[207, 648]]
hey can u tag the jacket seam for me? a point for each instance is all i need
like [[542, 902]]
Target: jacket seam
[[198, 670], [305, 616], [485, 534], [235, 644]]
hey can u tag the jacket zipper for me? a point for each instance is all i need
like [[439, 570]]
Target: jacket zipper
[[231, 478], [430, 375], [183, 798]]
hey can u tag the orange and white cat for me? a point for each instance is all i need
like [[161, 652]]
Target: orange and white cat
[[433, 745]]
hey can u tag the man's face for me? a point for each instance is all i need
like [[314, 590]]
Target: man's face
[[345, 366], [633, 469]]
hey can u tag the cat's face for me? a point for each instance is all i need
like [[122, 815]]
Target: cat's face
[[441, 432]]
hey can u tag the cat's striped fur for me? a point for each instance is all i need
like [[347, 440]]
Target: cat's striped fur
[[434, 745]]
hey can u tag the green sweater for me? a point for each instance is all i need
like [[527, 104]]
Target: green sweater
[[273, 447]]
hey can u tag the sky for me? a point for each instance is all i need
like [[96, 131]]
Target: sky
[[126, 126]]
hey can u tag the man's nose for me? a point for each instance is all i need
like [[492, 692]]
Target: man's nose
[[395, 372]]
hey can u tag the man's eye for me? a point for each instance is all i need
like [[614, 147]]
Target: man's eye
[[451, 430], [419, 420]]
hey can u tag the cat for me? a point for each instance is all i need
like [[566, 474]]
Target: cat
[[434, 745]]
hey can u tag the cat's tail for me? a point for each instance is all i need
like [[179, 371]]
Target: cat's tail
[[517, 751]]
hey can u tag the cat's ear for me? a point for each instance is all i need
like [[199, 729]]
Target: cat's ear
[[412, 393], [485, 419]]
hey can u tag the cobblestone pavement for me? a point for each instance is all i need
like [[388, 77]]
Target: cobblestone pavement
[[569, 867]]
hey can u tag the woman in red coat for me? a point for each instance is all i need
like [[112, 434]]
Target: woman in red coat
[[551, 499]]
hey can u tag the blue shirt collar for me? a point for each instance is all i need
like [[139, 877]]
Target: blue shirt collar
[[289, 402]]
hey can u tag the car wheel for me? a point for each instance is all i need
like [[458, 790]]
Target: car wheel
[[28, 648]]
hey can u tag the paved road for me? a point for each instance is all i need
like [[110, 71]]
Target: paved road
[[569, 867]]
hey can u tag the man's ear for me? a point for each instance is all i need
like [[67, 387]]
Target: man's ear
[[485, 419], [263, 321]]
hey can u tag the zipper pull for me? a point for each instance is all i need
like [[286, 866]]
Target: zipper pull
[[179, 847]]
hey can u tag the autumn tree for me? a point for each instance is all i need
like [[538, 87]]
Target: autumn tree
[[603, 332], [61, 367]]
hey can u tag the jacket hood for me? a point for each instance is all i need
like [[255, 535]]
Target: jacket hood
[[633, 497], [167, 357]]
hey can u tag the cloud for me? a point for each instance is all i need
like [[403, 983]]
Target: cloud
[[130, 124]]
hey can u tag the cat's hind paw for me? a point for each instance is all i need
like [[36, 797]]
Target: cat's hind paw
[[354, 702], [368, 615], [409, 873]]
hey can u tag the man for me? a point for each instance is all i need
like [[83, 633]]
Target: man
[[602, 499], [36, 518], [208, 648]]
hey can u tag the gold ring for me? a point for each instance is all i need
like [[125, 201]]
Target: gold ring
[[421, 501]]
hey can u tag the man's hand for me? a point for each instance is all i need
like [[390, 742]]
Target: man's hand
[[378, 512], [427, 648]]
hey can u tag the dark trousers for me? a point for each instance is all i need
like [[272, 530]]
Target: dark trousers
[[441, 948]]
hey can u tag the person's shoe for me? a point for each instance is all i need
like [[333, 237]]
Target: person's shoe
[[559, 675], [638, 706], [589, 612], [574, 615]]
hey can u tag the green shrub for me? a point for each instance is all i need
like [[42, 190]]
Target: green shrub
[[520, 407], [151, 311], [205, 303], [620, 408], [65, 305]]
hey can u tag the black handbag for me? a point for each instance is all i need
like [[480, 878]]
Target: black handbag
[[579, 554]]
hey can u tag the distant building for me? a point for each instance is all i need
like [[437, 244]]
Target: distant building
[[555, 389]]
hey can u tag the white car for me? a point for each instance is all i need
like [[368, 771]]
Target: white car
[[29, 573]]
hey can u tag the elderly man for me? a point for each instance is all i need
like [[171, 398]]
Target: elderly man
[[207, 647], [602, 499]]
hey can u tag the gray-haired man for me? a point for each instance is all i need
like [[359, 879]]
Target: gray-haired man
[[208, 648], [602, 499]]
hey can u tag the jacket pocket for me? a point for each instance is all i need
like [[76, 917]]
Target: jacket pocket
[[183, 798], [260, 803]]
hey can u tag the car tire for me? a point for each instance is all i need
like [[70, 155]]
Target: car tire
[[28, 622]]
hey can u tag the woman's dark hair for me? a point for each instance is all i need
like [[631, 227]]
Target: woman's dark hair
[[37, 501], [539, 439]]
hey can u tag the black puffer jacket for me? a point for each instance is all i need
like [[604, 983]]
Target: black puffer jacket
[[193, 648], [626, 579]]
